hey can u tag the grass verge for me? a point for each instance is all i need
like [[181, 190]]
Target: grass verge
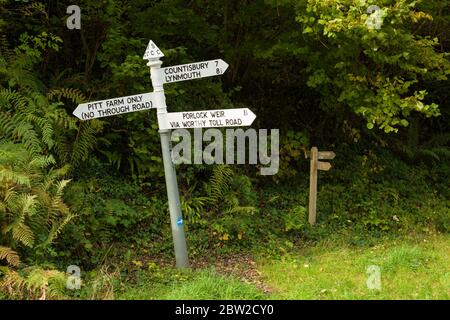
[[408, 270]]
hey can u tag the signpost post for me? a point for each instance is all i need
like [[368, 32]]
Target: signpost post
[[159, 76], [153, 55], [315, 165]]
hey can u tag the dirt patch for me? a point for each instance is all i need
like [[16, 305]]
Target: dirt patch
[[241, 266]]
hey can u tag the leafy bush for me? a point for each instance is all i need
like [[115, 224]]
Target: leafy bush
[[110, 209]]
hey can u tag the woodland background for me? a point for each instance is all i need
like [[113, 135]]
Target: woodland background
[[93, 194]]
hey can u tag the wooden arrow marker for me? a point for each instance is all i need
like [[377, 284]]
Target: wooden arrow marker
[[326, 155], [325, 166]]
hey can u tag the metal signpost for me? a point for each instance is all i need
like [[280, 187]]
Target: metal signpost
[[168, 121], [176, 218]]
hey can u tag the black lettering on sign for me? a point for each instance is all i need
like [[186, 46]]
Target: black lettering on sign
[[94, 105], [188, 124], [115, 102], [134, 99], [195, 115], [215, 123], [87, 115], [217, 114], [233, 122]]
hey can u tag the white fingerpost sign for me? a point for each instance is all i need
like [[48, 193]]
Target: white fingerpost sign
[[207, 119], [168, 121], [194, 70], [114, 106]]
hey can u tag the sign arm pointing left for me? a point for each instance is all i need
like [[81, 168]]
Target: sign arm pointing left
[[114, 106]]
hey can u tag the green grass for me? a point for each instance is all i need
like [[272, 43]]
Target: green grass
[[205, 284], [409, 270], [333, 269]]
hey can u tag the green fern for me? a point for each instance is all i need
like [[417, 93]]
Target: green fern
[[11, 257], [36, 117], [34, 283], [6, 54], [74, 95], [222, 192], [219, 183], [31, 202], [85, 140]]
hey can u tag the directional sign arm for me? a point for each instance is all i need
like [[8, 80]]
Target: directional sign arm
[[207, 119], [326, 155], [325, 166], [322, 155], [114, 106], [192, 71]]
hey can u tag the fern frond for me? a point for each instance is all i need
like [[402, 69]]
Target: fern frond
[[5, 52], [24, 206], [34, 283], [45, 128], [13, 98], [219, 183], [10, 256], [57, 228], [84, 142], [12, 284], [19, 128], [427, 153], [74, 95], [22, 233], [8, 177], [441, 152], [42, 162]]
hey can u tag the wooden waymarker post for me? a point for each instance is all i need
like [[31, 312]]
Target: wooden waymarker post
[[315, 155]]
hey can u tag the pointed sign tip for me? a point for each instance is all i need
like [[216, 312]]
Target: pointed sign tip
[[152, 51], [77, 112], [226, 65], [252, 115]]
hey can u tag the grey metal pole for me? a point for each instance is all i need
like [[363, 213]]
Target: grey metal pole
[[176, 218]]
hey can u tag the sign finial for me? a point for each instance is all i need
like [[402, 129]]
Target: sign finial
[[152, 51]]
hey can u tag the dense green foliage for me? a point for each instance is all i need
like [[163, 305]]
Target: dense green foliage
[[85, 193]]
